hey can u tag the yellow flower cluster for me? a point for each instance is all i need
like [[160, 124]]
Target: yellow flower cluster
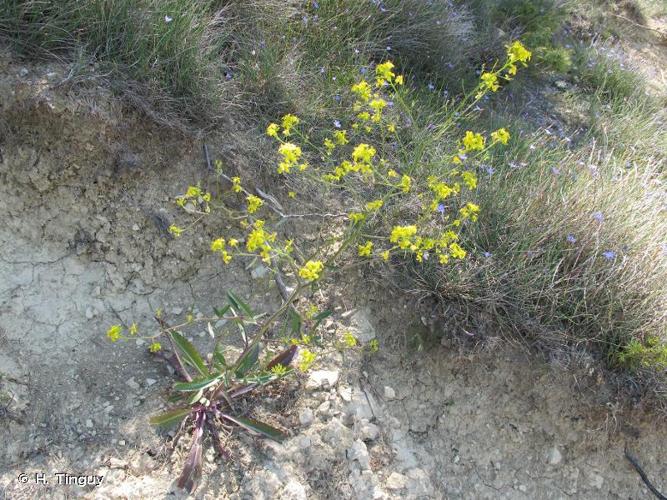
[[501, 135], [306, 360], [291, 154], [366, 249], [114, 333], [490, 81], [259, 239], [254, 202], [311, 270], [470, 211], [196, 195], [219, 246]]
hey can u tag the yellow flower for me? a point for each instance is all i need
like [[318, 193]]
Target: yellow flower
[[374, 205], [392, 173], [470, 179], [391, 128], [362, 90], [218, 245], [402, 236], [501, 135], [279, 370], [405, 184], [378, 105], [254, 203], [518, 53], [114, 332], [236, 184], [384, 73], [329, 145], [443, 258], [226, 257], [291, 154], [473, 142], [175, 230], [399, 80], [364, 116], [349, 339], [193, 192], [356, 217], [311, 270], [470, 211], [134, 329], [155, 347], [366, 249], [289, 121], [490, 81], [363, 153], [385, 255], [291, 194], [457, 160], [341, 137], [306, 360], [272, 130], [233, 242], [374, 345], [456, 251]]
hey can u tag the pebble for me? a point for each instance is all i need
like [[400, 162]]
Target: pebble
[[90, 313], [150, 381], [359, 453], [320, 378], [132, 384], [389, 393], [259, 272], [396, 481], [554, 456], [306, 417], [89, 423]]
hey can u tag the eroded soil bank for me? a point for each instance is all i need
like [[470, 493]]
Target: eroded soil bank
[[85, 198]]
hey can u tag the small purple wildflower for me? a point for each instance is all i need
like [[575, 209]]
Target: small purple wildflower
[[363, 70], [490, 170], [168, 19], [609, 255], [337, 124], [571, 239], [487, 254], [441, 208], [431, 87], [228, 75], [337, 98], [598, 216], [388, 48], [555, 171]]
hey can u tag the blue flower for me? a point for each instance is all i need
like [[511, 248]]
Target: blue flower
[[609, 255], [555, 171], [490, 170], [571, 239], [598, 216], [441, 208], [337, 124], [487, 254], [431, 87]]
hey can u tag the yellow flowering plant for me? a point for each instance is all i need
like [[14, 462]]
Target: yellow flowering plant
[[401, 201]]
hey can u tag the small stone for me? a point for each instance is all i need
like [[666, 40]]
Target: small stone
[[324, 408], [23, 72], [595, 480], [150, 381], [259, 272], [121, 442], [345, 393], [89, 423], [135, 227], [304, 442], [368, 431], [320, 378], [306, 417], [359, 453], [560, 84], [523, 488], [554, 456], [90, 313], [132, 384], [396, 481], [389, 393]]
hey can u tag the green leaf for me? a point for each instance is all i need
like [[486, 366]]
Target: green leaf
[[294, 321], [171, 417], [219, 357], [189, 353], [196, 385], [247, 360], [220, 312], [238, 304], [321, 317], [259, 427]]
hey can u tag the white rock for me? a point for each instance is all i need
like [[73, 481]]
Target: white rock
[[554, 456], [396, 481], [294, 490], [595, 480], [419, 484], [150, 381], [90, 313], [89, 423], [320, 378], [259, 272], [345, 393], [324, 408], [306, 417], [359, 453], [133, 384], [362, 326], [389, 393], [368, 431]]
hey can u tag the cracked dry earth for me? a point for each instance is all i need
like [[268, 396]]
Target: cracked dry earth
[[85, 190]]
